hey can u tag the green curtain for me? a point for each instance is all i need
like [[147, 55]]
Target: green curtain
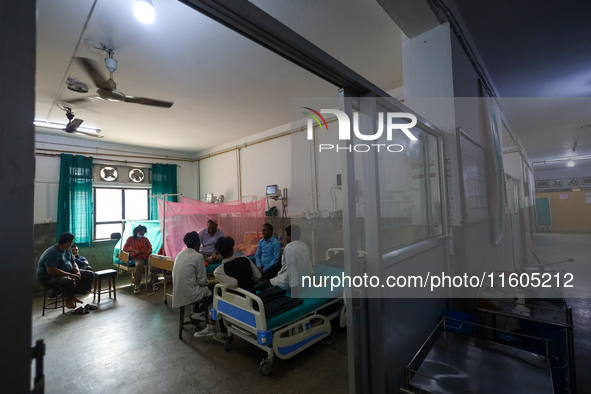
[[163, 182], [74, 209]]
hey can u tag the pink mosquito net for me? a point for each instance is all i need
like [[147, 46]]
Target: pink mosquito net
[[237, 219]]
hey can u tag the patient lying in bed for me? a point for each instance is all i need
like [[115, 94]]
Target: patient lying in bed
[[249, 249]]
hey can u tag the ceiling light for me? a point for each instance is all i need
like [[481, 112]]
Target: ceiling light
[[144, 11], [61, 126], [570, 163]]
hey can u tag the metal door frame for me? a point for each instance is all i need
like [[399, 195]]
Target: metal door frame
[[253, 23]]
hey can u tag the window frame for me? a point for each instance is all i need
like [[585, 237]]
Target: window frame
[[122, 189]]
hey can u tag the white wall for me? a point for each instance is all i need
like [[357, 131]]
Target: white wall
[[218, 175], [267, 163], [47, 167], [286, 161]]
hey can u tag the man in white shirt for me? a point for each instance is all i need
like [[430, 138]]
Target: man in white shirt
[[295, 263], [208, 237], [235, 271], [189, 278]]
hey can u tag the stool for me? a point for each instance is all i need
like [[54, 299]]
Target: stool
[[98, 276], [183, 322], [55, 305]]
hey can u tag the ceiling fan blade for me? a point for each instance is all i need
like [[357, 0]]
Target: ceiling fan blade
[[90, 134], [90, 66], [77, 100], [147, 101]]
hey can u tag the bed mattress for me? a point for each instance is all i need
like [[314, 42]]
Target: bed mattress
[[314, 298]]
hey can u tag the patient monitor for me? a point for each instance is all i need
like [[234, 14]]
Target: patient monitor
[[273, 192]]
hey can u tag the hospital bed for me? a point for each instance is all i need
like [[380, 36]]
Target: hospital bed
[[166, 263], [281, 336]]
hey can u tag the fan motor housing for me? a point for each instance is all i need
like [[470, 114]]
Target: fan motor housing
[[111, 64]]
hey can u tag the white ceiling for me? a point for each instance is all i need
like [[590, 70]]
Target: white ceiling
[[224, 87], [548, 127], [537, 55]]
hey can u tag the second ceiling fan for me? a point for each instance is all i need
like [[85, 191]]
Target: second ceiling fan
[[107, 88]]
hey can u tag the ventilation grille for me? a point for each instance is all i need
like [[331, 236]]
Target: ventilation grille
[[586, 181], [545, 183]]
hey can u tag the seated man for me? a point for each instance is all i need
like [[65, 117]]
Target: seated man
[[58, 269], [208, 237], [268, 252], [189, 278], [295, 263], [233, 272], [81, 261]]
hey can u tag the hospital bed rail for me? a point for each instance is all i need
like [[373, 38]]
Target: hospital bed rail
[[244, 315]]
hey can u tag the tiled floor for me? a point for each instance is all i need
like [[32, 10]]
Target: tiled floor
[[131, 346], [551, 248]]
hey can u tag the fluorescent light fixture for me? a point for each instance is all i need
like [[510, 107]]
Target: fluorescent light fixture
[[570, 163], [144, 11], [61, 126]]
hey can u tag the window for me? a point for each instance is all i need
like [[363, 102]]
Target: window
[[112, 205], [410, 197]]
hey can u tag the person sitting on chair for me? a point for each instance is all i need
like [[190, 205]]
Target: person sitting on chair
[[208, 237], [139, 249], [268, 252], [80, 260], [295, 263], [189, 278], [235, 271], [57, 269]]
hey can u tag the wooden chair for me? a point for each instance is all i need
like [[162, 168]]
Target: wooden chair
[[124, 265], [164, 263]]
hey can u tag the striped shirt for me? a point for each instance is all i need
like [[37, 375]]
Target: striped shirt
[[141, 244]]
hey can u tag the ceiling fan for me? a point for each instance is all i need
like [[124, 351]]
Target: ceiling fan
[[73, 124], [107, 89]]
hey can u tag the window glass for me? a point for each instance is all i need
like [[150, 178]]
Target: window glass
[[104, 231], [403, 193], [112, 205], [108, 205], [136, 204], [435, 194], [410, 201]]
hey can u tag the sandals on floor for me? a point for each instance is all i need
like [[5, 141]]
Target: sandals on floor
[[90, 307], [79, 311]]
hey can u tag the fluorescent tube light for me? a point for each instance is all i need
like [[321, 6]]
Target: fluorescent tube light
[[61, 126]]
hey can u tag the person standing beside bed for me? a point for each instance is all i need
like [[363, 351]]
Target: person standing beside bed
[[139, 249], [189, 278], [295, 263], [235, 271], [268, 252]]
